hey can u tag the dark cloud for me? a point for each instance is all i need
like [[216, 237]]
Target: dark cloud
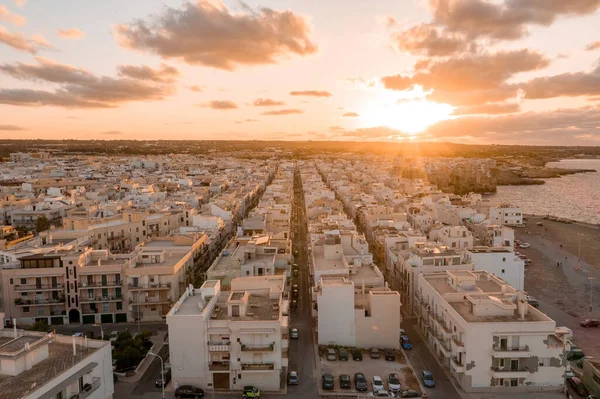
[[350, 114], [554, 127], [78, 87], [488, 109], [165, 73], [72, 33], [112, 133], [222, 105], [20, 42], [470, 79], [206, 33], [593, 46], [312, 93], [566, 84], [283, 112], [505, 20], [428, 40], [11, 128], [266, 102]]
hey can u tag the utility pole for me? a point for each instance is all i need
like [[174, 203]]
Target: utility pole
[[579, 249], [591, 294], [162, 372]]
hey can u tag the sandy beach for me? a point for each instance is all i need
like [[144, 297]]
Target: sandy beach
[[559, 280]]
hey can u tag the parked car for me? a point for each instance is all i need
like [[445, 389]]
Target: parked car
[[345, 381], [410, 393], [394, 383], [293, 378], [356, 354], [590, 323], [427, 379], [331, 354], [382, 394], [360, 382], [113, 336], [294, 333], [374, 353], [533, 302], [343, 354], [160, 382], [390, 354], [575, 354], [327, 382], [377, 383], [250, 391], [78, 334], [294, 304], [577, 385], [540, 223], [405, 342], [189, 391], [524, 245]]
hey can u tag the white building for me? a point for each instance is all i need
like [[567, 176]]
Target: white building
[[501, 262], [455, 237], [506, 215], [39, 365], [229, 339], [350, 316], [487, 335]]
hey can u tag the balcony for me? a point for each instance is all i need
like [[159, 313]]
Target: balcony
[[150, 301], [151, 286], [102, 299], [258, 366], [505, 351], [100, 284], [116, 237], [218, 366], [39, 302], [457, 365], [520, 372], [218, 346], [39, 287], [458, 343], [88, 389], [258, 348]]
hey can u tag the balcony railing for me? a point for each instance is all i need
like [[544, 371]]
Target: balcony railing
[[258, 366], [258, 348], [457, 341], [93, 284], [88, 389], [38, 302], [503, 348], [456, 361], [150, 286], [102, 299], [497, 369], [39, 287], [218, 366]]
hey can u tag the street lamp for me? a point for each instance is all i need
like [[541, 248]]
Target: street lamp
[[579, 247], [591, 293], [101, 331], [162, 372]]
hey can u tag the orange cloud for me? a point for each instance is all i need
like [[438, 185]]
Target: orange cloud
[[488, 109], [266, 102], [313, 93], [426, 40], [72, 33], [11, 128], [8, 16], [222, 105], [283, 112], [78, 88], [350, 114], [566, 84], [206, 33], [593, 46], [20, 3], [195, 88], [20, 42], [166, 73]]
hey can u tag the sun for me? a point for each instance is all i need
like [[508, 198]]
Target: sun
[[411, 116]]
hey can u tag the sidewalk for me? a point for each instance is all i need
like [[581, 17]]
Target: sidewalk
[[158, 341]]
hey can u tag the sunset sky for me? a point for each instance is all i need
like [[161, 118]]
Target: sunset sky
[[467, 71]]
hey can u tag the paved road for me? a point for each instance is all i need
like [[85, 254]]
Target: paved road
[[422, 359]]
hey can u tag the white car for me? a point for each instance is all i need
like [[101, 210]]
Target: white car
[[114, 335], [524, 245], [377, 384], [294, 333]]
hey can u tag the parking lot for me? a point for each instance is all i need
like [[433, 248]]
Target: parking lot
[[369, 367]]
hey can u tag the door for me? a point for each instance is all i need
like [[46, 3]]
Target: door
[[38, 282], [514, 364], [503, 344], [54, 282]]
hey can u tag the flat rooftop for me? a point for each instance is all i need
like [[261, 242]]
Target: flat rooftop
[[320, 263], [230, 263], [259, 308], [60, 359]]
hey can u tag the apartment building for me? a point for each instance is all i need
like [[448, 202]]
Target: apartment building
[[40, 365], [240, 337], [487, 335], [349, 315], [455, 237], [499, 261], [506, 215]]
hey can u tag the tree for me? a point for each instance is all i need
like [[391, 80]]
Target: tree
[[42, 223], [40, 326]]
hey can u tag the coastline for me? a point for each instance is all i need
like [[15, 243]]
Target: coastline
[[563, 220]]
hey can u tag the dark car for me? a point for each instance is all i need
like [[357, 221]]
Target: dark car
[[405, 342], [356, 354], [575, 354], [578, 386], [360, 382], [293, 378], [189, 391], [390, 354], [427, 379], [533, 302], [410, 393], [342, 354], [590, 323], [167, 377], [345, 381], [327, 382]]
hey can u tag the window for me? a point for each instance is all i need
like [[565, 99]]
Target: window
[[41, 311], [153, 308], [11, 281], [90, 294], [23, 281], [99, 236], [119, 305], [26, 309], [104, 292], [106, 307], [503, 259], [502, 270]]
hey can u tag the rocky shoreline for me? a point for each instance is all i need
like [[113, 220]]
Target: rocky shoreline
[[533, 176]]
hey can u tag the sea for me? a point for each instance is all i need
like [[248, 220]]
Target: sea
[[575, 197]]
